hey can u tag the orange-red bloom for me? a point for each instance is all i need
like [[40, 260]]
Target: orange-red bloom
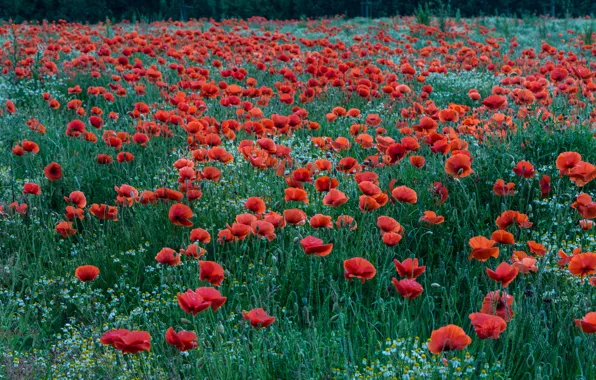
[[193, 302], [358, 267], [487, 325], [431, 217], [256, 205], [448, 338], [314, 246], [129, 342], [409, 268], [182, 340], [504, 274], [498, 303], [258, 318], [524, 169], [211, 272], [104, 211], [201, 235], [87, 273], [180, 214], [53, 171], [588, 323], [335, 198], [404, 194], [408, 288], [295, 194], [65, 229], [583, 264], [168, 256], [459, 166], [482, 248]]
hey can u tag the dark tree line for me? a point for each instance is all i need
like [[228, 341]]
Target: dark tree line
[[98, 10]]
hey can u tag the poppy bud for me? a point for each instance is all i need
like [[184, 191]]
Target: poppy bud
[[185, 321], [220, 329], [577, 340], [435, 285]]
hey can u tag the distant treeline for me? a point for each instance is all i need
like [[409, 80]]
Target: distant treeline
[[150, 10]]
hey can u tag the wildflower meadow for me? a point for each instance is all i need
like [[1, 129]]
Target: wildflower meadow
[[310, 199]]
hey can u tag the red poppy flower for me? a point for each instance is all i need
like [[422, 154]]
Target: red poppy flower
[[391, 239], [296, 194], [346, 221], [408, 288], [482, 248], [583, 264], [133, 342], [404, 194], [448, 338], [314, 246], [168, 256], [325, 183], [566, 161], [258, 318], [87, 273], [335, 198], [129, 342], [295, 216], [582, 173], [487, 325], [545, 186], [31, 188], [180, 214], [256, 205], [504, 274], [409, 268], [201, 235], [498, 303], [388, 224], [65, 229], [431, 217], [524, 169], [494, 102], [417, 161], [182, 340], [109, 337], [211, 272], [321, 221], [503, 237], [536, 248], [275, 219], [357, 267], [194, 302], [588, 323], [77, 198], [262, 228], [501, 189], [459, 166], [104, 211]]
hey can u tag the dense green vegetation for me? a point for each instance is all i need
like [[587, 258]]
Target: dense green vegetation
[[99, 10]]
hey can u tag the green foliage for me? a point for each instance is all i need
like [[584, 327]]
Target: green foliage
[[423, 14], [588, 33], [97, 10]]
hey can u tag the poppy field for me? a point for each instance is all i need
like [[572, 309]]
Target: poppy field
[[298, 199]]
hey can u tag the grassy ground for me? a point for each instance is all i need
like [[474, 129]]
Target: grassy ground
[[326, 326]]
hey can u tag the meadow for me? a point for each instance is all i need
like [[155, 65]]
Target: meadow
[[298, 199]]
